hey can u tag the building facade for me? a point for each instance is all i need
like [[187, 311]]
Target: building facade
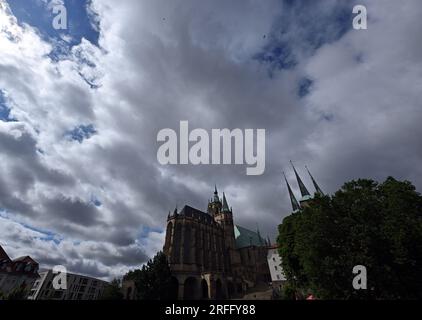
[[17, 274], [274, 264], [210, 257], [78, 288]]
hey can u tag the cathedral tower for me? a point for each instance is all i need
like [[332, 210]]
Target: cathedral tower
[[223, 215]]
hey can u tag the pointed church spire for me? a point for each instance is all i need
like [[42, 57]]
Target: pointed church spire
[[216, 199], [295, 204], [259, 233], [269, 240], [225, 205], [302, 187], [317, 188]]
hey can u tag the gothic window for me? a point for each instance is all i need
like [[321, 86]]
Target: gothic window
[[177, 242], [204, 248], [213, 261], [198, 245], [187, 245], [168, 235]]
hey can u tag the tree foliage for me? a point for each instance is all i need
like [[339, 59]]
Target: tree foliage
[[19, 293], [365, 223], [112, 291], [153, 281]]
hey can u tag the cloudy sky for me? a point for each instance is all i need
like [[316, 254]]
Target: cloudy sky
[[80, 109]]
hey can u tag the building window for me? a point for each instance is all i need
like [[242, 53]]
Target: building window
[[278, 277], [275, 267], [58, 295], [273, 259]]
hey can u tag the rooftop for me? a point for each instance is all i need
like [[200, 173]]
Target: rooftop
[[3, 254], [246, 238]]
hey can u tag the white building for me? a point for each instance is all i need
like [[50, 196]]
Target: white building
[[78, 288], [276, 271]]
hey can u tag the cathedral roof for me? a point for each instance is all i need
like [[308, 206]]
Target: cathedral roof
[[195, 213], [225, 205], [190, 211], [246, 238]]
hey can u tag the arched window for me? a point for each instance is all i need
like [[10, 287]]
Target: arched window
[[204, 289], [190, 289], [205, 248], [177, 242], [187, 244], [169, 232], [198, 246]]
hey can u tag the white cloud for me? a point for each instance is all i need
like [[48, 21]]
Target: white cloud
[[162, 62]]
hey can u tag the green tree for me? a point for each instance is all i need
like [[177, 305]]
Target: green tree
[[153, 281], [19, 293], [365, 223], [112, 291]]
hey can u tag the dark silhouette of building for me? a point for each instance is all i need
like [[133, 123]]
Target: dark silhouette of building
[[210, 257], [16, 274]]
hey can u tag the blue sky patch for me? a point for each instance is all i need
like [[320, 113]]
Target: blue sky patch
[[145, 231], [80, 23], [277, 55], [304, 87], [95, 201], [43, 234], [81, 133], [301, 28], [46, 235], [4, 108]]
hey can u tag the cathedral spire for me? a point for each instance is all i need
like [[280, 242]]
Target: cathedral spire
[[317, 188], [302, 187], [225, 205], [216, 198], [259, 233], [295, 204]]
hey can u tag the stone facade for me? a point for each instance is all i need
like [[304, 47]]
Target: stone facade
[[209, 256]]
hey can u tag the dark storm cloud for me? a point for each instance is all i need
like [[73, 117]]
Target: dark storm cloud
[[72, 210]]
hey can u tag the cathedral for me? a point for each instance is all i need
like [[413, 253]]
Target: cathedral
[[211, 257]]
